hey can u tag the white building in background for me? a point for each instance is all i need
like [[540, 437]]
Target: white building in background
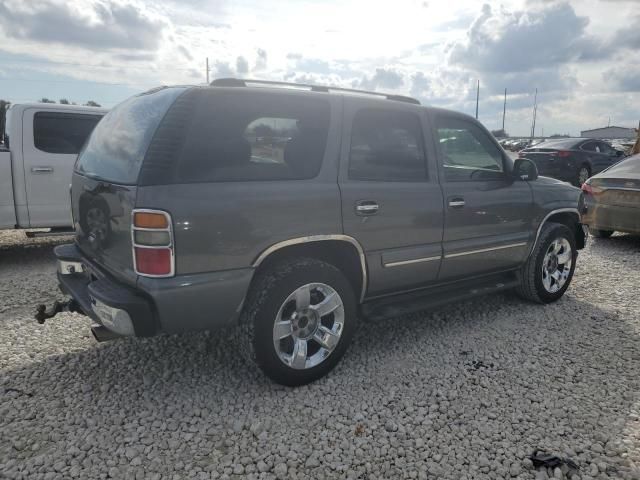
[[609, 132]]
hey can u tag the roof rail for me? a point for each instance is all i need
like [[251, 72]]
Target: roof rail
[[242, 82]]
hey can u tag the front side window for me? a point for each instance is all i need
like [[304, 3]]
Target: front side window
[[589, 146], [386, 145], [254, 136], [62, 133], [468, 154]]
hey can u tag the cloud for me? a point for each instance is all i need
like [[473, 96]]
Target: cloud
[[310, 65], [185, 52], [223, 69], [261, 61], [99, 26], [420, 85], [384, 77], [626, 78], [242, 65], [629, 37], [525, 40]]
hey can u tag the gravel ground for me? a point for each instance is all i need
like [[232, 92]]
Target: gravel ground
[[466, 391]]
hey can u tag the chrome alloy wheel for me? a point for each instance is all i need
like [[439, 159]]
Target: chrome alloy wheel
[[583, 175], [308, 326], [556, 265]]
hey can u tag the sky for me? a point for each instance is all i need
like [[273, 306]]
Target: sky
[[583, 56]]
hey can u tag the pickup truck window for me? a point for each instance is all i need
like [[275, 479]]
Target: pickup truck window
[[386, 145], [62, 133], [467, 153]]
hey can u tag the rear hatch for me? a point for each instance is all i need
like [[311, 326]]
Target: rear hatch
[[104, 183]]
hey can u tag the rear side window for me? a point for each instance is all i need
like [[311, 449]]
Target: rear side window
[[386, 145], [253, 136], [63, 133], [117, 146]]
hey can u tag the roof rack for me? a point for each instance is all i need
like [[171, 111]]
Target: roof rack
[[242, 82]]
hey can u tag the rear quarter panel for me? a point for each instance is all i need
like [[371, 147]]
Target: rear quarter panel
[[226, 225]]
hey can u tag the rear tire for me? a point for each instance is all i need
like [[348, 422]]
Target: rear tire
[[289, 332], [600, 233], [549, 269]]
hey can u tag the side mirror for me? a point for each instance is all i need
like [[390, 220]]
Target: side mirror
[[525, 169]]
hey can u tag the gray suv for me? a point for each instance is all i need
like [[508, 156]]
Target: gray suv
[[295, 210]]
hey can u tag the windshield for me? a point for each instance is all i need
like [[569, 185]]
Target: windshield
[[116, 148]]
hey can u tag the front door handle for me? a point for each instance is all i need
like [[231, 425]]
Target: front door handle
[[41, 169], [456, 202], [367, 207]]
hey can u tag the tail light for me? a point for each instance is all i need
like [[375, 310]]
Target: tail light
[[561, 154], [152, 239], [591, 189]]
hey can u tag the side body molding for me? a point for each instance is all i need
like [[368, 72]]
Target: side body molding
[[320, 238]]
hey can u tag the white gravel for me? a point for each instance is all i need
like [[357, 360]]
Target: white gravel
[[465, 391]]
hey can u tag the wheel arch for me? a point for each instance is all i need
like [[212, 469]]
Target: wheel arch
[[565, 216], [343, 251]]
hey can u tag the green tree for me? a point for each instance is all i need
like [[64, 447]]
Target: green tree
[[91, 103], [64, 101], [46, 100]]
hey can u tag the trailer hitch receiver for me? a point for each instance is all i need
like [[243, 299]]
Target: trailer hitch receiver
[[43, 314]]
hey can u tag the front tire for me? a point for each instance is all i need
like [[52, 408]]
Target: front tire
[[299, 319], [549, 269]]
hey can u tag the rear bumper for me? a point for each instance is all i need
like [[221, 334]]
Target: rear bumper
[[611, 217], [178, 304]]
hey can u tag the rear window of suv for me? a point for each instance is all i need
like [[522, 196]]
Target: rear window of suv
[[253, 136], [117, 146]]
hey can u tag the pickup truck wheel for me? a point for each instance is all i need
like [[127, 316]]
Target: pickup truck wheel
[[549, 269], [300, 318], [600, 233]]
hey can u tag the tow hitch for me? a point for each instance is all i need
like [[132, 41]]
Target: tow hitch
[[43, 314]]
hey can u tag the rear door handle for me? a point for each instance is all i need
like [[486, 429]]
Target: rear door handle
[[367, 207], [41, 169], [456, 202]]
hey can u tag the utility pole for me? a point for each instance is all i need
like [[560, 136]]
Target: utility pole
[[504, 109], [609, 122], [207, 67], [535, 111], [477, 98]]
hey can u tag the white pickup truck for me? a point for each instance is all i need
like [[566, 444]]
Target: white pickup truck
[[42, 141]]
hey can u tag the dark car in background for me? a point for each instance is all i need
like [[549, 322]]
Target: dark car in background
[[573, 160], [611, 199]]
